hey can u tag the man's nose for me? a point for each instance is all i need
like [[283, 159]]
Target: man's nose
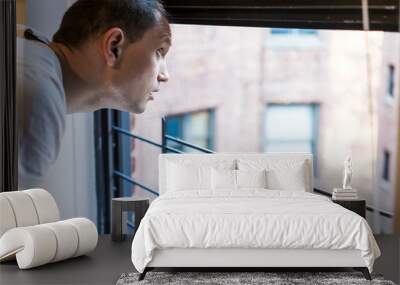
[[163, 75]]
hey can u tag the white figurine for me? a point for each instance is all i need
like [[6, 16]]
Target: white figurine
[[347, 173]]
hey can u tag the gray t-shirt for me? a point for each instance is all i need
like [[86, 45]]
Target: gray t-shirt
[[41, 108]]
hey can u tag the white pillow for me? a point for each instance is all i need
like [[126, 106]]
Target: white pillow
[[282, 173], [293, 179], [226, 179], [193, 174], [251, 178], [223, 179], [182, 177]]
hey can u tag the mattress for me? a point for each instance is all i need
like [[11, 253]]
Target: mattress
[[251, 219]]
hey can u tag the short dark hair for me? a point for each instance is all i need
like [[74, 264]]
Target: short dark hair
[[88, 18]]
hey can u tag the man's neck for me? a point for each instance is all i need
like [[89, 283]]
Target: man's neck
[[79, 72]]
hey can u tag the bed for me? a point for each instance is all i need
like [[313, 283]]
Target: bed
[[245, 211]]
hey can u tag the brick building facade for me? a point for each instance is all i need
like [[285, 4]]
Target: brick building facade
[[257, 83]]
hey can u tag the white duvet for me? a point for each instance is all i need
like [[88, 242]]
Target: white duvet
[[253, 218]]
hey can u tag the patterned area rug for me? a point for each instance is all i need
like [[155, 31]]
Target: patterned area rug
[[229, 278]]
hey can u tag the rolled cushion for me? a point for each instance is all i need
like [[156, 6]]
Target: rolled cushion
[[26, 208], [87, 234], [33, 246], [37, 245], [67, 240], [23, 208], [7, 218], [45, 205]]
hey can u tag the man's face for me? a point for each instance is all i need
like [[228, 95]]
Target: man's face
[[142, 68]]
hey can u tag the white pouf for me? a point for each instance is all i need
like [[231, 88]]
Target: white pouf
[[23, 208], [45, 205], [7, 220], [31, 233]]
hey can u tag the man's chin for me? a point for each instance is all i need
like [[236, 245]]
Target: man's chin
[[140, 111], [138, 108]]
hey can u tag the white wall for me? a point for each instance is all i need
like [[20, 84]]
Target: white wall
[[72, 179], [45, 15]]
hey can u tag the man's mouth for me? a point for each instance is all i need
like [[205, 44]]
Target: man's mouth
[[151, 96]]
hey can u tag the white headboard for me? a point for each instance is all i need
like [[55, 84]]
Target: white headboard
[[165, 158]]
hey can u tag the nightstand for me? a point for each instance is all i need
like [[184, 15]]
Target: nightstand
[[357, 206], [138, 206]]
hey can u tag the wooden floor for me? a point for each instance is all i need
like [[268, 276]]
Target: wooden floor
[[110, 260], [102, 266]]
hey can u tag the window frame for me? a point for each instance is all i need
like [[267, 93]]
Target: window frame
[[339, 14], [391, 75], [385, 174], [8, 111], [303, 14], [211, 125], [315, 106], [384, 16]]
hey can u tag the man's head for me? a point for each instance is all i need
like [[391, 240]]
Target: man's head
[[127, 41]]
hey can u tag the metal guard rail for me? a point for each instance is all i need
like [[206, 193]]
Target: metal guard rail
[[129, 179], [129, 134], [163, 146], [185, 143], [368, 207]]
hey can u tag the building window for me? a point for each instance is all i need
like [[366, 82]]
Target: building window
[[386, 165], [292, 38], [390, 82], [291, 128], [196, 128], [277, 31], [307, 32]]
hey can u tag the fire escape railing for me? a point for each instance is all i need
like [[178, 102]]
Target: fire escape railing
[[164, 149], [116, 130], [368, 207]]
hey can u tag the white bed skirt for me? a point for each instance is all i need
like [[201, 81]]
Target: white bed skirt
[[194, 257]]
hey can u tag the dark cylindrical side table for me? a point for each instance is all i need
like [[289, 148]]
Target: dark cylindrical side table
[[357, 206], [138, 206]]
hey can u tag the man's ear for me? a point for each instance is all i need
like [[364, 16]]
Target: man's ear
[[112, 46]]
